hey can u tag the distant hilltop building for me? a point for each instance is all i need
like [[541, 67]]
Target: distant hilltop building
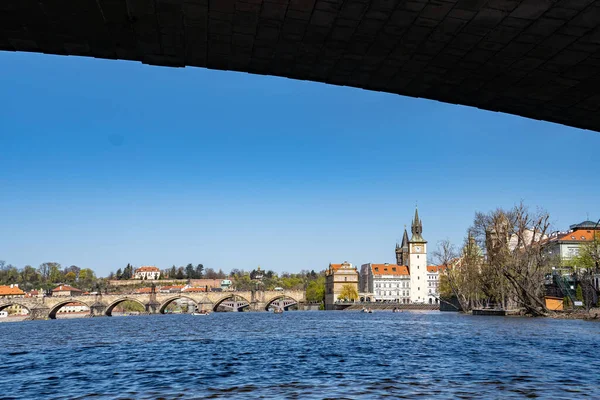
[[151, 273], [336, 277]]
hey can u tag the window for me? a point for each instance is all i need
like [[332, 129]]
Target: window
[[345, 278]]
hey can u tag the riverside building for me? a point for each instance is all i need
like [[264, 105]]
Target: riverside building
[[387, 282], [336, 277]]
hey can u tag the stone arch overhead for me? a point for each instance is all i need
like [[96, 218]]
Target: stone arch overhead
[[54, 309], [165, 303], [115, 303]]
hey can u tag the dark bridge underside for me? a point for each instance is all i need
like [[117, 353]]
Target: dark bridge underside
[[535, 58]]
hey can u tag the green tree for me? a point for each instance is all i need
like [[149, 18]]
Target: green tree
[[199, 271], [189, 271], [56, 275], [315, 290], [70, 277], [73, 268], [127, 272], [173, 272], [579, 293], [243, 282], [87, 279], [348, 292], [30, 277], [119, 274]]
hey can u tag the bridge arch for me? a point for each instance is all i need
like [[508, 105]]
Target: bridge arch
[[54, 309], [115, 303], [231, 296], [165, 303], [278, 298], [8, 303]]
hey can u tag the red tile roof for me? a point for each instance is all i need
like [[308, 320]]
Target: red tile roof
[[11, 291], [144, 290], [389, 269], [147, 269], [172, 287], [195, 289], [65, 288], [580, 235]]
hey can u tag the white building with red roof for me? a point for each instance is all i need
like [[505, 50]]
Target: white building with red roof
[[387, 282], [66, 291], [147, 272]]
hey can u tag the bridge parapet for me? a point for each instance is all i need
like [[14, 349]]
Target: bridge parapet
[[102, 304]]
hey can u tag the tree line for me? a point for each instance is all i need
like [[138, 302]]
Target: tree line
[[310, 281], [183, 272], [47, 276]]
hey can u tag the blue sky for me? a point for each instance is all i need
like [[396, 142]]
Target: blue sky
[[106, 163]]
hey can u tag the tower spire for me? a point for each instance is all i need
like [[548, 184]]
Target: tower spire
[[417, 228], [405, 239]]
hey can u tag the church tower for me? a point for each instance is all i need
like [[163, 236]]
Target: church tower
[[402, 250], [417, 262]]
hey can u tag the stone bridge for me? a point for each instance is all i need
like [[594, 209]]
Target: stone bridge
[[535, 58], [154, 303]]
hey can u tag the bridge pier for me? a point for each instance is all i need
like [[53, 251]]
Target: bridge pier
[[153, 307], [98, 310], [38, 313]]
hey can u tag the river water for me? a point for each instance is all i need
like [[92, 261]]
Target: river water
[[300, 355]]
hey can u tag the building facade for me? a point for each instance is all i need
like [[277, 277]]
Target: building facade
[[433, 284], [149, 273], [336, 276], [73, 308], [386, 282]]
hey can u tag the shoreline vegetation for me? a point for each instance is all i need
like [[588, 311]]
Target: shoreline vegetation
[[506, 263]]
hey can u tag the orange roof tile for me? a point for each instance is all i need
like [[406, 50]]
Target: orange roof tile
[[335, 267], [580, 235], [389, 269], [65, 288], [172, 287], [144, 290], [11, 291], [195, 289], [147, 269]]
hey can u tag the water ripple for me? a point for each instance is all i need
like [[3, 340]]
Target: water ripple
[[300, 355]]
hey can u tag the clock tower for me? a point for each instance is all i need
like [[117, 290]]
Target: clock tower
[[417, 262]]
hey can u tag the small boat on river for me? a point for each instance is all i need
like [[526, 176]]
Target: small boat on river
[[201, 312], [278, 310]]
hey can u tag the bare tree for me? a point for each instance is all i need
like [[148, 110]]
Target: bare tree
[[461, 273], [514, 241]]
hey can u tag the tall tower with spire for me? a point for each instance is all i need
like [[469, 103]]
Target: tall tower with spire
[[402, 250], [417, 262]]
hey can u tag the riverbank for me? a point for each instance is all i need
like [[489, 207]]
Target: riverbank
[[593, 315]]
